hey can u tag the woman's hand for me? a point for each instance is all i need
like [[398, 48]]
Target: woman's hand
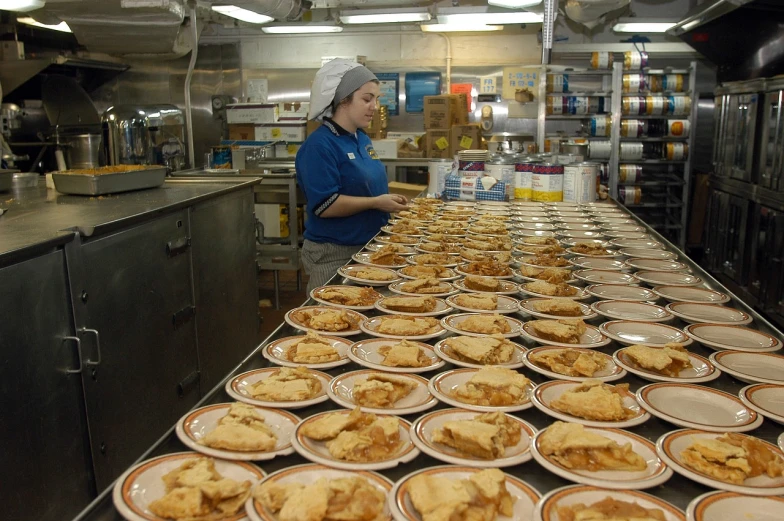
[[390, 203]]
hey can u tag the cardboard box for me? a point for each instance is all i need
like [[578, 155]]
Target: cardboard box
[[412, 138], [251, 113], [282, 131], [242, 132], [311, 126], [376, 134], [465, 137], [439, 112], [296, 110], [462, 109], [386, 148], [437, 143], [407, 189]]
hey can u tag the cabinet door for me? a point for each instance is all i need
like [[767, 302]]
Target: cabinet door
[[715, 233], [43, 429], [719, 122], [142, 368], [745, 120], [766, 273], [770, 163], [734, 246]]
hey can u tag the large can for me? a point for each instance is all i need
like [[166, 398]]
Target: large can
[[634, 82], [556, 105], [547, 182], [655, 105], [634, 128], [581, 105], [502, 169], [631, 151], [604, 174], [557, 83], [523, 187], [579, 182], [553, 144], [437, 170], [600, 126], [678, 105], [633, 105], [629, 174], [678, 128], [676, 151], [634, 60], [601, 60], [629, 195], [667, 83], [221, 157], [600, 149]]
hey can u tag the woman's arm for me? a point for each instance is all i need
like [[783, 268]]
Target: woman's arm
[[346, 205]]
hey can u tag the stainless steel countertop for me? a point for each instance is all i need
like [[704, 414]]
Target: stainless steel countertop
[[39, 217], [678, 490]]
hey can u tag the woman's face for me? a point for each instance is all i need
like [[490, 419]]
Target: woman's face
[[363, 105]]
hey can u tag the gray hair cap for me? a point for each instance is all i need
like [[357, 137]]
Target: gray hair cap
[[351, 81]]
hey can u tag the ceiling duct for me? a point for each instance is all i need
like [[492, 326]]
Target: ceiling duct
[[591, 13]]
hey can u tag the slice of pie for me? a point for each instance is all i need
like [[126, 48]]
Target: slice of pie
[[312, 349], [574, 447], [489, 350], [487, 324], [481, 497], [377, 441], [565, 331], [410, 304], [485, 436], [494, 386], [487, 268], [609, 509], [348, 295], [332, 320], [589, 248], [560, 307], [404, 354], [669, 360], [242, 429], [732, 458], [287, 385], [594, 400], [381, 390], [386, 256], [439, 259], [477, 301], [330, 425], [570, 362], [541, 241], [480, 283], [423, 272], [403, 325], [425, 286], [541, 287], [551, 261], [374, 274]]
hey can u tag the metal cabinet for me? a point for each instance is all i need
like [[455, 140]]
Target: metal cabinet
[[133, 302], [766, 269], [716, 230], [43, 427], [772, 141], [721, 102], [727, 227]]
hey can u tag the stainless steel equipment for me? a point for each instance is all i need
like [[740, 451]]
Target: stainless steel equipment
[[144, 135], [109, 183], [82, 150]]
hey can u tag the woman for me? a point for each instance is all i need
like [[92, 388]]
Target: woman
[[344, 181]]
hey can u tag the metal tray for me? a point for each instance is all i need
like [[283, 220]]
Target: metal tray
[[6, 179], [102, 184]]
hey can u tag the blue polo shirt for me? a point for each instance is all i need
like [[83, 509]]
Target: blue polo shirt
[[333, 162]]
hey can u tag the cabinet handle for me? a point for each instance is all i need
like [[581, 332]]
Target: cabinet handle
[[183, 316], [177, 246], [78, 353], [97, 346], [187, 382]]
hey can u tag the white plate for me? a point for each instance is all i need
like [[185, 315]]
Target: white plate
[[442, 385], [454, 260], [628, 235], [593, 263], [609, 254], [447, 287], [626, 310], [670, 445], [654, 474], [698, 407], [621, 227], [506, 287], [237, 388], [735, 338], [402, 249], [751, 368], [443, 351], [577, 226], [142, 484], [314, 294], [606, 277], [422, 434], [558, 218], [317, 452], [629, 332], [526, 306], [341, 391], [701, 371], [364, 258], [547, 508], [690, 294], [636, 243], [576, 234], [656, 265], [538, 226], [370, 327], [298, 325], [524, 495], [508, 276], [308, 474], [527, 260], [766, 399], [452, 323], [610, 372], [697, 313], [198, 423], [591, 339], [534, 233], [365, 353], [275, 352], [505, 305], [441, 308], [450, 276], [729, 506], [580, 295], [616, 292], [411, 240], [668, 278], [546, 392], [350, 270]]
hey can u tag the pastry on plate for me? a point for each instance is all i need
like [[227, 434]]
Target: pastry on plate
[[589, 248], [242, 429], [564, 330], [348, 295], [476, 301], [321, 319], [541, 241], [482, 496], [560, 307], [551, 261], [312, 349], [477, 255], [487, 243], [381, 390], [551, 275], [398, 248], [480, 283], [426, 286], [410, 304], [386, 256], [569, 361], [287, 384], [405, 228], [446, 227], [484, 436], [488, 350], [424, 272], [669, 360], [541, 287], [493, 386], [404, 354], [732, 458], [374, 274], [535, 249], [403, 325], [572, 446], [487, 324], [609, 509], [594, 400], [440, 247], [340, 499], [486, 268], [438, 259]]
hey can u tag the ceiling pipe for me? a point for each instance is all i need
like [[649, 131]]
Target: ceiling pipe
[[448, 62], [188, 77]]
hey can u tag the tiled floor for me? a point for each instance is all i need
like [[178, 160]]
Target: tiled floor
[[289, 298]]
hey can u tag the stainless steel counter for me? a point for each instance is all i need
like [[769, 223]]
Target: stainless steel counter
[[678, 490]]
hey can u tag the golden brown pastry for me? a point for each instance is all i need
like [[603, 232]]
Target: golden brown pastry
[[374, 274], [609, 509], [487, 324], [426, 286], [287, 385], [551, 275], [425, 272], [488, 350], [386, 256], [484, 436], [503, 257], [480, 283], [732, 458], [404, 354], [669, 360], [242, 429], [381, 390], [541, 241], [410, 304], [481, 497], [312, 349], [438, 259], [356, 436], [594, 400], [550, 261], [572, 446], [541, 287], [560, 307], [590, 249], [494, 386], [566, 331], [570, 362], [477, 301], [321, 319], [486, 269], [440, 247], [403, 325]]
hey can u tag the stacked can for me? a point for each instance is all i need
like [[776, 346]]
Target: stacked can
[[667, 83], [678, 105], [557, 83], [630, 174], [629, 195], [579, 182], [635, 60], [471, 163], [523, 185], [600, 126], [678, 128], [635, 82], [600, 149], [547, 182], [502, 168], [601, 60]]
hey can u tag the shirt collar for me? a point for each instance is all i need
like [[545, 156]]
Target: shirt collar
[[335, 128]]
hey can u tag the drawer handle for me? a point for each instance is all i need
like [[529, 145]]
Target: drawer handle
[[188, 382], [183, 316], [78, 342], [97, 346], [177, 246]]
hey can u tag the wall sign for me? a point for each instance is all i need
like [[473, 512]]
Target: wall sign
[[487, 84], [463, 88], [390, 91], [519, 78]]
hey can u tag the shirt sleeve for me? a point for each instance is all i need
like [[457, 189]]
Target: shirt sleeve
[[319, 177]]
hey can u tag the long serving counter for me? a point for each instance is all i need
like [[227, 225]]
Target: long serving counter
[[678, 490]]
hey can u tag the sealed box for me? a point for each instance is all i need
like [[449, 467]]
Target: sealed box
[[439, 112], [386, 148], [437, 143], [242, 132], [465, 137], [293, 110], [251, 113], [281, 131]]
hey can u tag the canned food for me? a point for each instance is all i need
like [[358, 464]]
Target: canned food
[[634, 128], [552, 144], [437, 170], [579, 182], [678, 127], [600, 126], [502, 170], [557, 83], [221, 157], [634, 82], [600, 149], [567, 159], [522, 180], [635, 60], [583, 105], [630, 173], [556, 105], [676, 151], [655, 105], [629, 194], [667, 82], [678, 105], [601, 60], [547, 182], [604, 173], [633, 105], [631, 151]]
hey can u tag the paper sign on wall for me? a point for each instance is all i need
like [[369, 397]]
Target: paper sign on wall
[[487, 85], [519, 78], [257, 90], [389, 84], [463, 88]]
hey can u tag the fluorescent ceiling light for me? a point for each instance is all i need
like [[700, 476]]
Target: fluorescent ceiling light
[[514, 4], [462, 27], [483, 18], [373, 16], [21, 6], [62, 26], [642, 27], [242, 14], [301, 29]]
